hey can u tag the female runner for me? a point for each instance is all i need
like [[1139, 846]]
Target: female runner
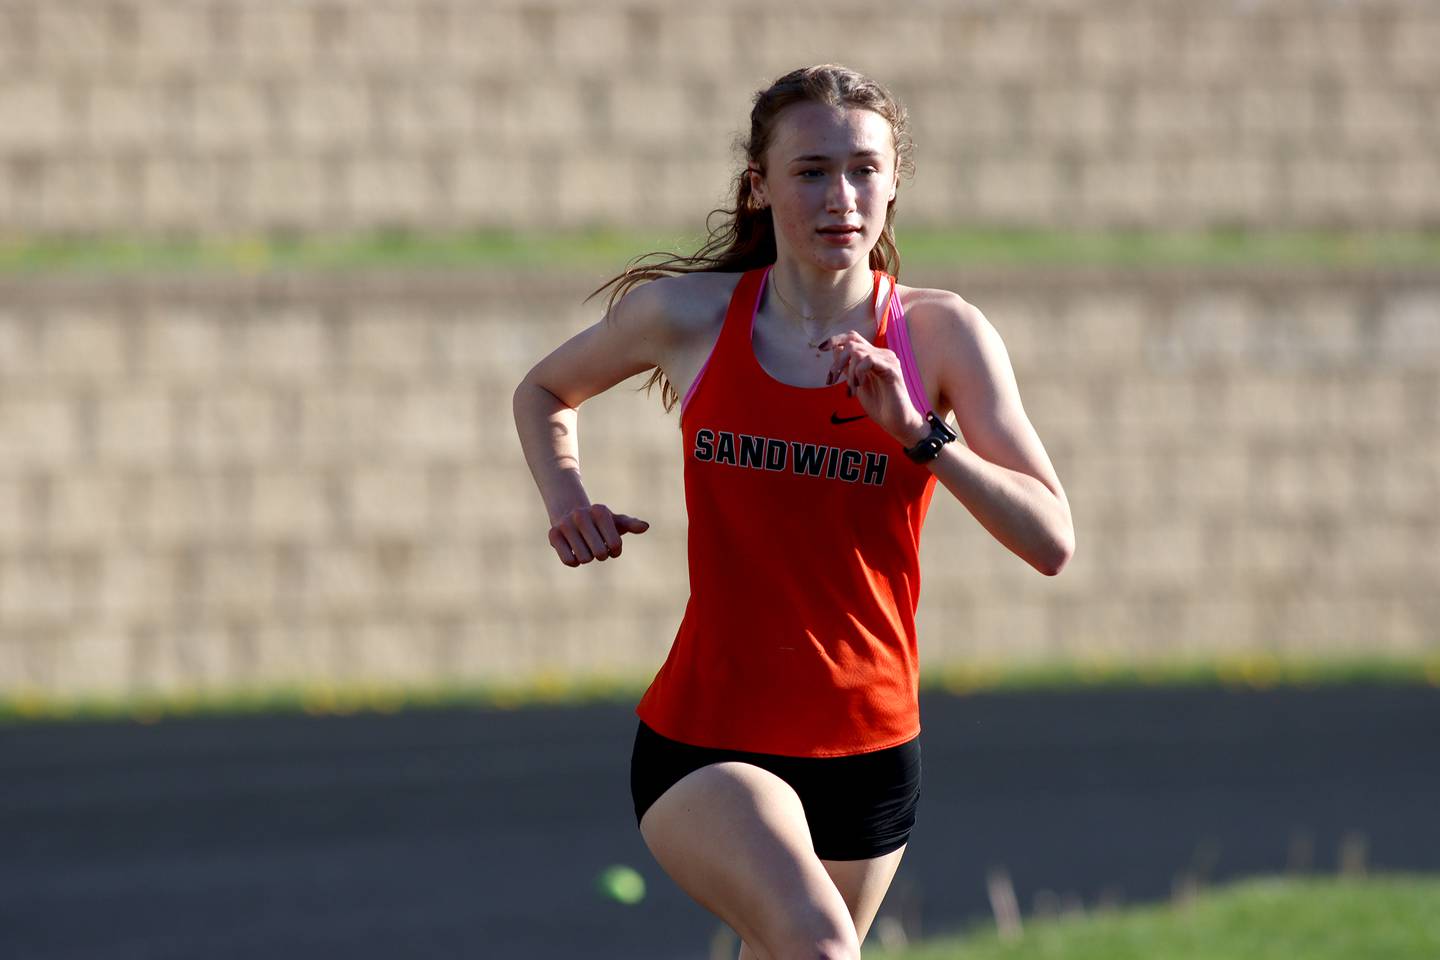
[[776, 765]]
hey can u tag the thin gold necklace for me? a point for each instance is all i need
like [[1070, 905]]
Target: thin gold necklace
[[810, 317]]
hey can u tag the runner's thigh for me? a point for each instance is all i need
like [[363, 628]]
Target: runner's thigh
[[734, 837]]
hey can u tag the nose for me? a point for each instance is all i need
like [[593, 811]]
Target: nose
[[840, 198]]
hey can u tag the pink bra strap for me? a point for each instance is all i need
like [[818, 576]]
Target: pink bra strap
[[900, 343]]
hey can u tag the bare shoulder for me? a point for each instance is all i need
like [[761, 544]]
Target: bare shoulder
[[940, 318], [687, 311], [956, 347], [680, 308], [943, 323]]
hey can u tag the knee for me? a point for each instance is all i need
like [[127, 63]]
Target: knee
[[822, 938], [839, 949], [823, 950]]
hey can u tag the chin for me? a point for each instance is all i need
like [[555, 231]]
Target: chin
[[832, 258]]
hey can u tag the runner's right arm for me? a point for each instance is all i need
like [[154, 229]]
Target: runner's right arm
[[633, 338]]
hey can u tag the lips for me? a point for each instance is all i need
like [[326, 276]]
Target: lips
[[840, 235]]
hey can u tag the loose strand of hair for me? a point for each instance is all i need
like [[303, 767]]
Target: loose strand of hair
[[740, 238]]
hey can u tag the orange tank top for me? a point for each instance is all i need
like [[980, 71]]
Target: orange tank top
[[804, 526]]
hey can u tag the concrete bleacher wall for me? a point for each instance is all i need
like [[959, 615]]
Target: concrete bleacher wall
[[221, 481], [223, 116], [218, 479]]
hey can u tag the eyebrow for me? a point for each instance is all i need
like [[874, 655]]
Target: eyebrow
[[820, 157]]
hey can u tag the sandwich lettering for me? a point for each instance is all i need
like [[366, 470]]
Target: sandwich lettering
[[803, 459]]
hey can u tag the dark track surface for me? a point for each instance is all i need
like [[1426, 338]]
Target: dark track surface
[[479, 834]]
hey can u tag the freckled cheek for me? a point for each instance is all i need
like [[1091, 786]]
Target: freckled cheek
[[795, 226]]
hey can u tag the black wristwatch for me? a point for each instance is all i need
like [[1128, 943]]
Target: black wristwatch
[[929, 446]]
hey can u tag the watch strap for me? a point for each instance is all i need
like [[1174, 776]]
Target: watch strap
[[928, 447]]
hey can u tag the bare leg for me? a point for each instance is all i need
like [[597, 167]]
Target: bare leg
[[734, 837], [863, 884]]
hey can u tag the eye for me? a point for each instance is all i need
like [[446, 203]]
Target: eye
[[868, 171], [806, 173]]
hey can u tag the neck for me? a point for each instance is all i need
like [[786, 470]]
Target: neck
[[820, 297]]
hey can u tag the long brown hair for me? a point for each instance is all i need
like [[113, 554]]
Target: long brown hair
[[743, 237]]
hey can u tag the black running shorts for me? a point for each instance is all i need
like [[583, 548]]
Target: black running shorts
[[858, 806]]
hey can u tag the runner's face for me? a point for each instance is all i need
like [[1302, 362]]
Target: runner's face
[[830, 173]]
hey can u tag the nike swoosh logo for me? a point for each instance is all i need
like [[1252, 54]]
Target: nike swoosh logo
[[836, 418]]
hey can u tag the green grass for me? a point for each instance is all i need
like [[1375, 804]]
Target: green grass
[[316, 699], [1154, 249], [1253, 672], [20, 255], [1381, 917], [1256, 671]]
